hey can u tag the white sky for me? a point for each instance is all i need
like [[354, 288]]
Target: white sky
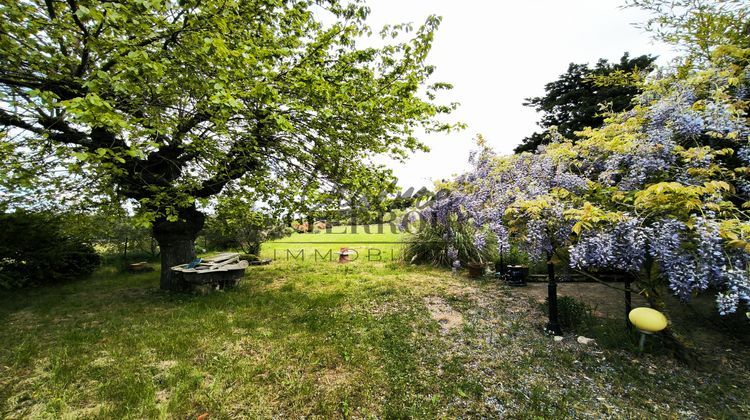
[[497, 53]]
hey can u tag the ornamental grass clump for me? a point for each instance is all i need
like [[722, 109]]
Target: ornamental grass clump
[[442, 234], [443, 245]]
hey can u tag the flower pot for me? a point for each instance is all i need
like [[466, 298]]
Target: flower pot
[[476, 269], [517, 275]]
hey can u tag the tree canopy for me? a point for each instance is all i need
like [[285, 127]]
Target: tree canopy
[[166, 102], [582, 96]]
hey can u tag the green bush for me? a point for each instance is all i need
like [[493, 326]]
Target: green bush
[[34, 250], [249, 257], [216, 237], [236, 225], [514, 256], [572, 314]]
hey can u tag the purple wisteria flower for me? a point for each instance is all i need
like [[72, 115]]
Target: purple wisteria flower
[[690, 260], [452, 254], [678, 133], [480, 241]]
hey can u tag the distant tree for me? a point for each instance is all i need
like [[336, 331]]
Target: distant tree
[[241, 225], [579, 97], [409, 198], [166, 103], [124, 235]]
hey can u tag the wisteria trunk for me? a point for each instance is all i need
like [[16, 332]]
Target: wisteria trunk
[[553, 326], [671, 340]]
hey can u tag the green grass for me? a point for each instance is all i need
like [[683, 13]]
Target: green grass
[[371, 243], [314, 338]]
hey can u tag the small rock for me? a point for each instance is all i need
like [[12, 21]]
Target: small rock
[[558, 338], [585, 340]]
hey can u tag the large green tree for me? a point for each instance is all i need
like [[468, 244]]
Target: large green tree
[[166, 102], [582, 96]]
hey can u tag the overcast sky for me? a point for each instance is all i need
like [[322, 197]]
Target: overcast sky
[[497, 53]]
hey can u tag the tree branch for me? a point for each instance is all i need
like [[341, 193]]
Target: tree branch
[[50, 9], [10, 120], [236, 168], [74, 8], [169, 38], [65, 90], [64, 133]]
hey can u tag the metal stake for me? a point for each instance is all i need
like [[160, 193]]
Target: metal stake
[[642, 342]]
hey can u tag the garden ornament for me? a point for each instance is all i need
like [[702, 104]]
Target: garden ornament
[[647, 321]]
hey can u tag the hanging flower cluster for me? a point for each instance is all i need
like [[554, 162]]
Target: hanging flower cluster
[[621, 248], [678, 160]]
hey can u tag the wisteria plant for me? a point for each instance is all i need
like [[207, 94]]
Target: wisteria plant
[[660, 191]]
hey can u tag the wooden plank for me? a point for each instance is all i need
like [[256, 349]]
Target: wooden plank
[[232, 260], [222, 257]]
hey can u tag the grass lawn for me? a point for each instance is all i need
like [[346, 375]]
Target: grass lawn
[[373, 338]]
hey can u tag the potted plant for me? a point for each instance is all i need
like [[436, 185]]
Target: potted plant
[[476, 268], [514, 267]]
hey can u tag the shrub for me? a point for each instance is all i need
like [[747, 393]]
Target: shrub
[[572, 314], [249, 257], [236, 225], [35, 251], [513, 256], [216, 236]]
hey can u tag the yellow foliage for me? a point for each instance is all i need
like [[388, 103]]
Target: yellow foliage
[[589, 215]]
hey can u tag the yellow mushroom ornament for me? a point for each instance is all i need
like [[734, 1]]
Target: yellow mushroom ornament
[[647, 321]]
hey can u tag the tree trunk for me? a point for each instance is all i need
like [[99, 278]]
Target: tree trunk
[[672, 341], [310, 223], [177, 245]]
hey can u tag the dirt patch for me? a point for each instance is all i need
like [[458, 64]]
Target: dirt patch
[[166, 365], [162, 396], [333, 377], [440, 311], [429, 284], [605, 301]]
